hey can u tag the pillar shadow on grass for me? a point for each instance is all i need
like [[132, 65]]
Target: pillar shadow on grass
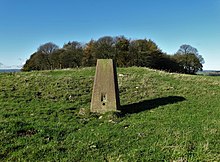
[[150, 104]]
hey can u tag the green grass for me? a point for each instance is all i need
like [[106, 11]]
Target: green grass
[[44, 116]]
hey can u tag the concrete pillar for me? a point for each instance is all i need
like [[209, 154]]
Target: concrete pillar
[[105, 96]]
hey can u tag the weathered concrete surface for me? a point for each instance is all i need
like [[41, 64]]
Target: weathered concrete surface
[[105, 96]]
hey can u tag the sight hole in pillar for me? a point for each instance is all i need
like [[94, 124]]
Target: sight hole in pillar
[[103, 98]]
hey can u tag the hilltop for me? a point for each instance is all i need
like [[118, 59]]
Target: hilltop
[[44, 116]]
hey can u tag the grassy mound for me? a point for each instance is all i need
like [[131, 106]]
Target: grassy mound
[[45, 116]]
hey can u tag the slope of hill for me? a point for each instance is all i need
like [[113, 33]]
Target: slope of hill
[[173, 117]]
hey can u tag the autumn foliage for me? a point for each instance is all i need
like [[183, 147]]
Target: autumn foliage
[[125, 52]]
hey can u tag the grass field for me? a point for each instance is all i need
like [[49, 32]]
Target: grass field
[[44, 116]]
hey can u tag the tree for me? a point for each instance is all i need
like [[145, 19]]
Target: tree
[[144, 52], [48, 48], [72, 45], [125, 52], [189, 59], [89, 54], [122, 55], [37, 61], [72, 55], [168, 63], [55, 59], [185, 49], [104, 48]]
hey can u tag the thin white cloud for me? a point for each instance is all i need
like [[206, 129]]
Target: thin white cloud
[[1, 64]]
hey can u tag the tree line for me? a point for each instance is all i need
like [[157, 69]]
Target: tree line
[[125, 52]]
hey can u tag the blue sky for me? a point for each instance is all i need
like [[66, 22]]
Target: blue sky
[[27, 24]]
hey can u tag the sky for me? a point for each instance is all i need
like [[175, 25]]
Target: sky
[[27, 24]]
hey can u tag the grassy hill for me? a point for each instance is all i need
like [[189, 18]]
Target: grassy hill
[[44, 116]]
